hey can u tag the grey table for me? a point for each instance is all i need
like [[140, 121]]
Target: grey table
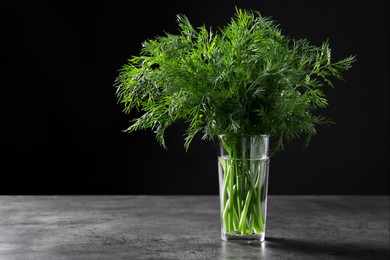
[[187, 227]]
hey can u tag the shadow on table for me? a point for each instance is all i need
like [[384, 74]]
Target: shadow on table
[[318, 249]]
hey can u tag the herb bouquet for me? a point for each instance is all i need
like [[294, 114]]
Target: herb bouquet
[[242, 85]]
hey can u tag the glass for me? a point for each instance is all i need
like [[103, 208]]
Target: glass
[[243, 165]]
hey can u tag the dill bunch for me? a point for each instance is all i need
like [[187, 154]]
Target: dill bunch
[[246, 78]]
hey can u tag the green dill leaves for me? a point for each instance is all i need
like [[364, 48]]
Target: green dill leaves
[[246, 78]]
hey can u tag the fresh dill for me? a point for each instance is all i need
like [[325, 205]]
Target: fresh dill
[[246, 78]]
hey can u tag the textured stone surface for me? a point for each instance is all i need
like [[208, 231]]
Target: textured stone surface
[[187, 227]]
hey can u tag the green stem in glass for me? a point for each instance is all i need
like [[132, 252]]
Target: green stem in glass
[[241, 191]]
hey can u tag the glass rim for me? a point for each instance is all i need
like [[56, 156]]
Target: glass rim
[[246, 136], [264, 158]]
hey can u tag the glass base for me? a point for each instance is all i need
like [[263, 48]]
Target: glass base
[[243, 238]]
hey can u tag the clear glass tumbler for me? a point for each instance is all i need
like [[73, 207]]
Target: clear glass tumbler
[[243, 164]]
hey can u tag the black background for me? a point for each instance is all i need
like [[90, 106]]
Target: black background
[[61, 126]]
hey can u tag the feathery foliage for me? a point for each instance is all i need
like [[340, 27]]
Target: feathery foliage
[[247, 78]]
